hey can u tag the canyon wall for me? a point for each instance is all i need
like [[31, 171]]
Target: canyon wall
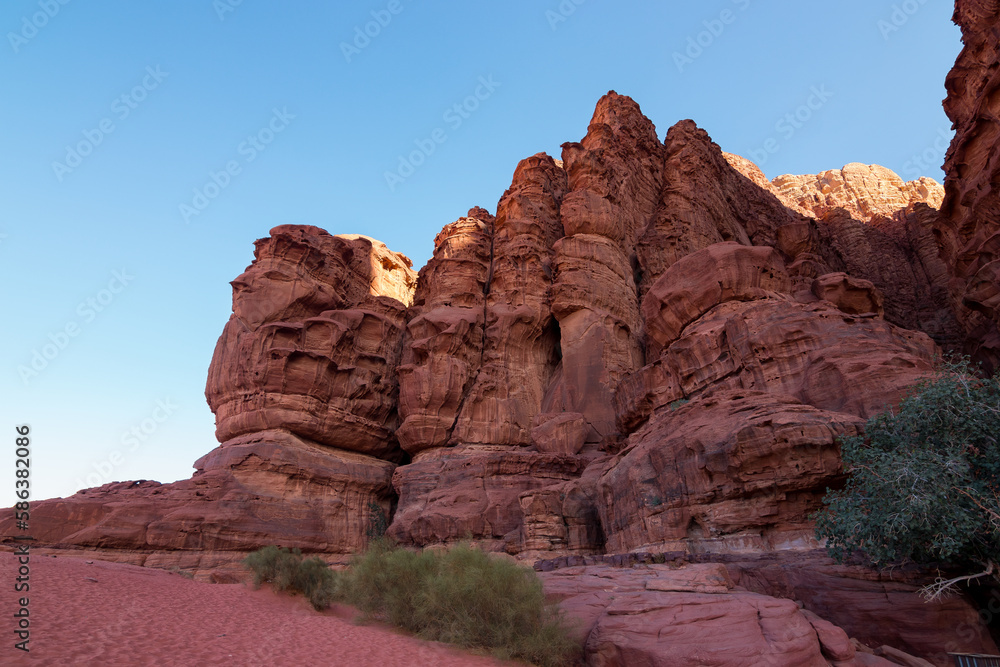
[[650, 348]]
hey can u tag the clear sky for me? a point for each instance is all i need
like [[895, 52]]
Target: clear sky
[[144, 146]]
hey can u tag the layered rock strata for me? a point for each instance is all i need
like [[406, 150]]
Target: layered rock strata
[[969, 227], [650, 347]]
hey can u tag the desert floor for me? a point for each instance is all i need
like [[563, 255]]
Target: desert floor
[[92, 612]]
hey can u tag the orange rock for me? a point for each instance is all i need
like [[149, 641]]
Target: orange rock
[[520, 351], [258, 490], [659, 615], [864, 191], [309, 328], [443, 348], [450, 494]]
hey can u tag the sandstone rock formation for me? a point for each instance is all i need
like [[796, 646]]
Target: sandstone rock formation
[[314, 342], [969, 226], [303, 384], [649, 348], [865, 191], [864, 220], [614, 179], [802, 610], [444, 341]]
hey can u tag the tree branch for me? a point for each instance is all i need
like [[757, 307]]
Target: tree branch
[[940, 587]]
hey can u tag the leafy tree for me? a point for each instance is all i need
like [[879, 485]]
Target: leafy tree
[[923, 481]]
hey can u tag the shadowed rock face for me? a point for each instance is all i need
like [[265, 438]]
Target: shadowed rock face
[[969, 227], [650, 346]]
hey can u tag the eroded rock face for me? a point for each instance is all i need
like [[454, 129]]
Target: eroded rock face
[[875, 608], [303, 384], [969, 227], [865, 191], [736, 471], [443, 351], [650, 346], [701, 281], [704, 201], [520, 351], [314, 341], [733, 328], [614, 179], [450, 494], [865, 221], [694, 614], [257, 490]]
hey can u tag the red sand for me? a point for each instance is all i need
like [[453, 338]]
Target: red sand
[[138, 616]]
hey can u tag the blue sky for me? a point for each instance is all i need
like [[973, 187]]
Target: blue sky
[[145, 146]]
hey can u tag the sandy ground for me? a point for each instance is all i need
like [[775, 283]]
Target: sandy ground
[[99, 613]]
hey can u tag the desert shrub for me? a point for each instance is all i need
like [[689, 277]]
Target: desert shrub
[[461, 596], [924, 481], [287, 571], [378, 522]]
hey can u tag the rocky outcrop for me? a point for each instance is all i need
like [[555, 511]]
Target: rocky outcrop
[[267, 488], [864, 191], [685, 613], [704, 201], [865, 221], [736, 471], [313, 343], [451, 494], [521, 347], [828, 614], [445, 332], [969, 228], [650, 348], [734, 426], [303, 384], [614, 179], [877, 609]]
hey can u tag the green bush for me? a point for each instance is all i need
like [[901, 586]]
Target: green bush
[[924, 481], [287, 571], [378, 522], [461, 596]]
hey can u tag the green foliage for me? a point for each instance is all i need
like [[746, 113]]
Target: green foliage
[[678, 403], [461, 596], [924, 481], [287, 571], [378, 522]]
